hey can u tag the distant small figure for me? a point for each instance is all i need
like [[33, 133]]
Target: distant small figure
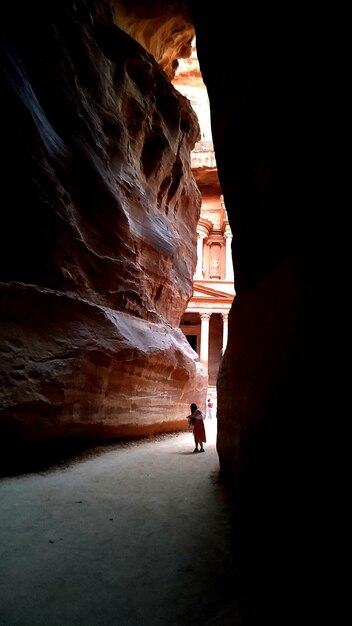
[[209, 408], [196, 423]]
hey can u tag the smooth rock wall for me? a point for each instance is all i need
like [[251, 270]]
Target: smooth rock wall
[[277, 119]]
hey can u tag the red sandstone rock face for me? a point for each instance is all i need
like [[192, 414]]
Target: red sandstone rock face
[[165, 29], [101, 233]]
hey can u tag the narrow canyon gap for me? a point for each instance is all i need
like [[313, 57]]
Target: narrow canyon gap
[[98, 250]]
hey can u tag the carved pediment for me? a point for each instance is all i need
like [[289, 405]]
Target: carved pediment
[[203, 291]]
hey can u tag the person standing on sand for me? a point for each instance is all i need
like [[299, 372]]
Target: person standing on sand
[[196, 420], [209, 408]]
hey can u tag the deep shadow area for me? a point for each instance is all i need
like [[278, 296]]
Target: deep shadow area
[[50, 454]]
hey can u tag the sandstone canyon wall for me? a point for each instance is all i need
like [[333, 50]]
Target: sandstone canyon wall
[[95, 138], [165, 29], [273, 90], [98, 233]]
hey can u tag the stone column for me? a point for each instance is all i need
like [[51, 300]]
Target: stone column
[[201, 234], [204, 338], [229, 265], [199, 267], [225, 317]]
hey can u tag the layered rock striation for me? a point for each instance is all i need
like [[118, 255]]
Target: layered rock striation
[[165, 29], [98, 236]]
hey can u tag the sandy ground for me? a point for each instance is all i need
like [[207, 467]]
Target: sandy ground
[[135, 534]]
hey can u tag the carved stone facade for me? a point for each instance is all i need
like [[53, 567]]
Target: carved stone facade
[[205, 320]]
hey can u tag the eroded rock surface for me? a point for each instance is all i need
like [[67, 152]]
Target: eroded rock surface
[[98, 239], [165, 29]]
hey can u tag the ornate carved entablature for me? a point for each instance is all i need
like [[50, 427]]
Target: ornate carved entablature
[[204, 227], [196, 307]]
